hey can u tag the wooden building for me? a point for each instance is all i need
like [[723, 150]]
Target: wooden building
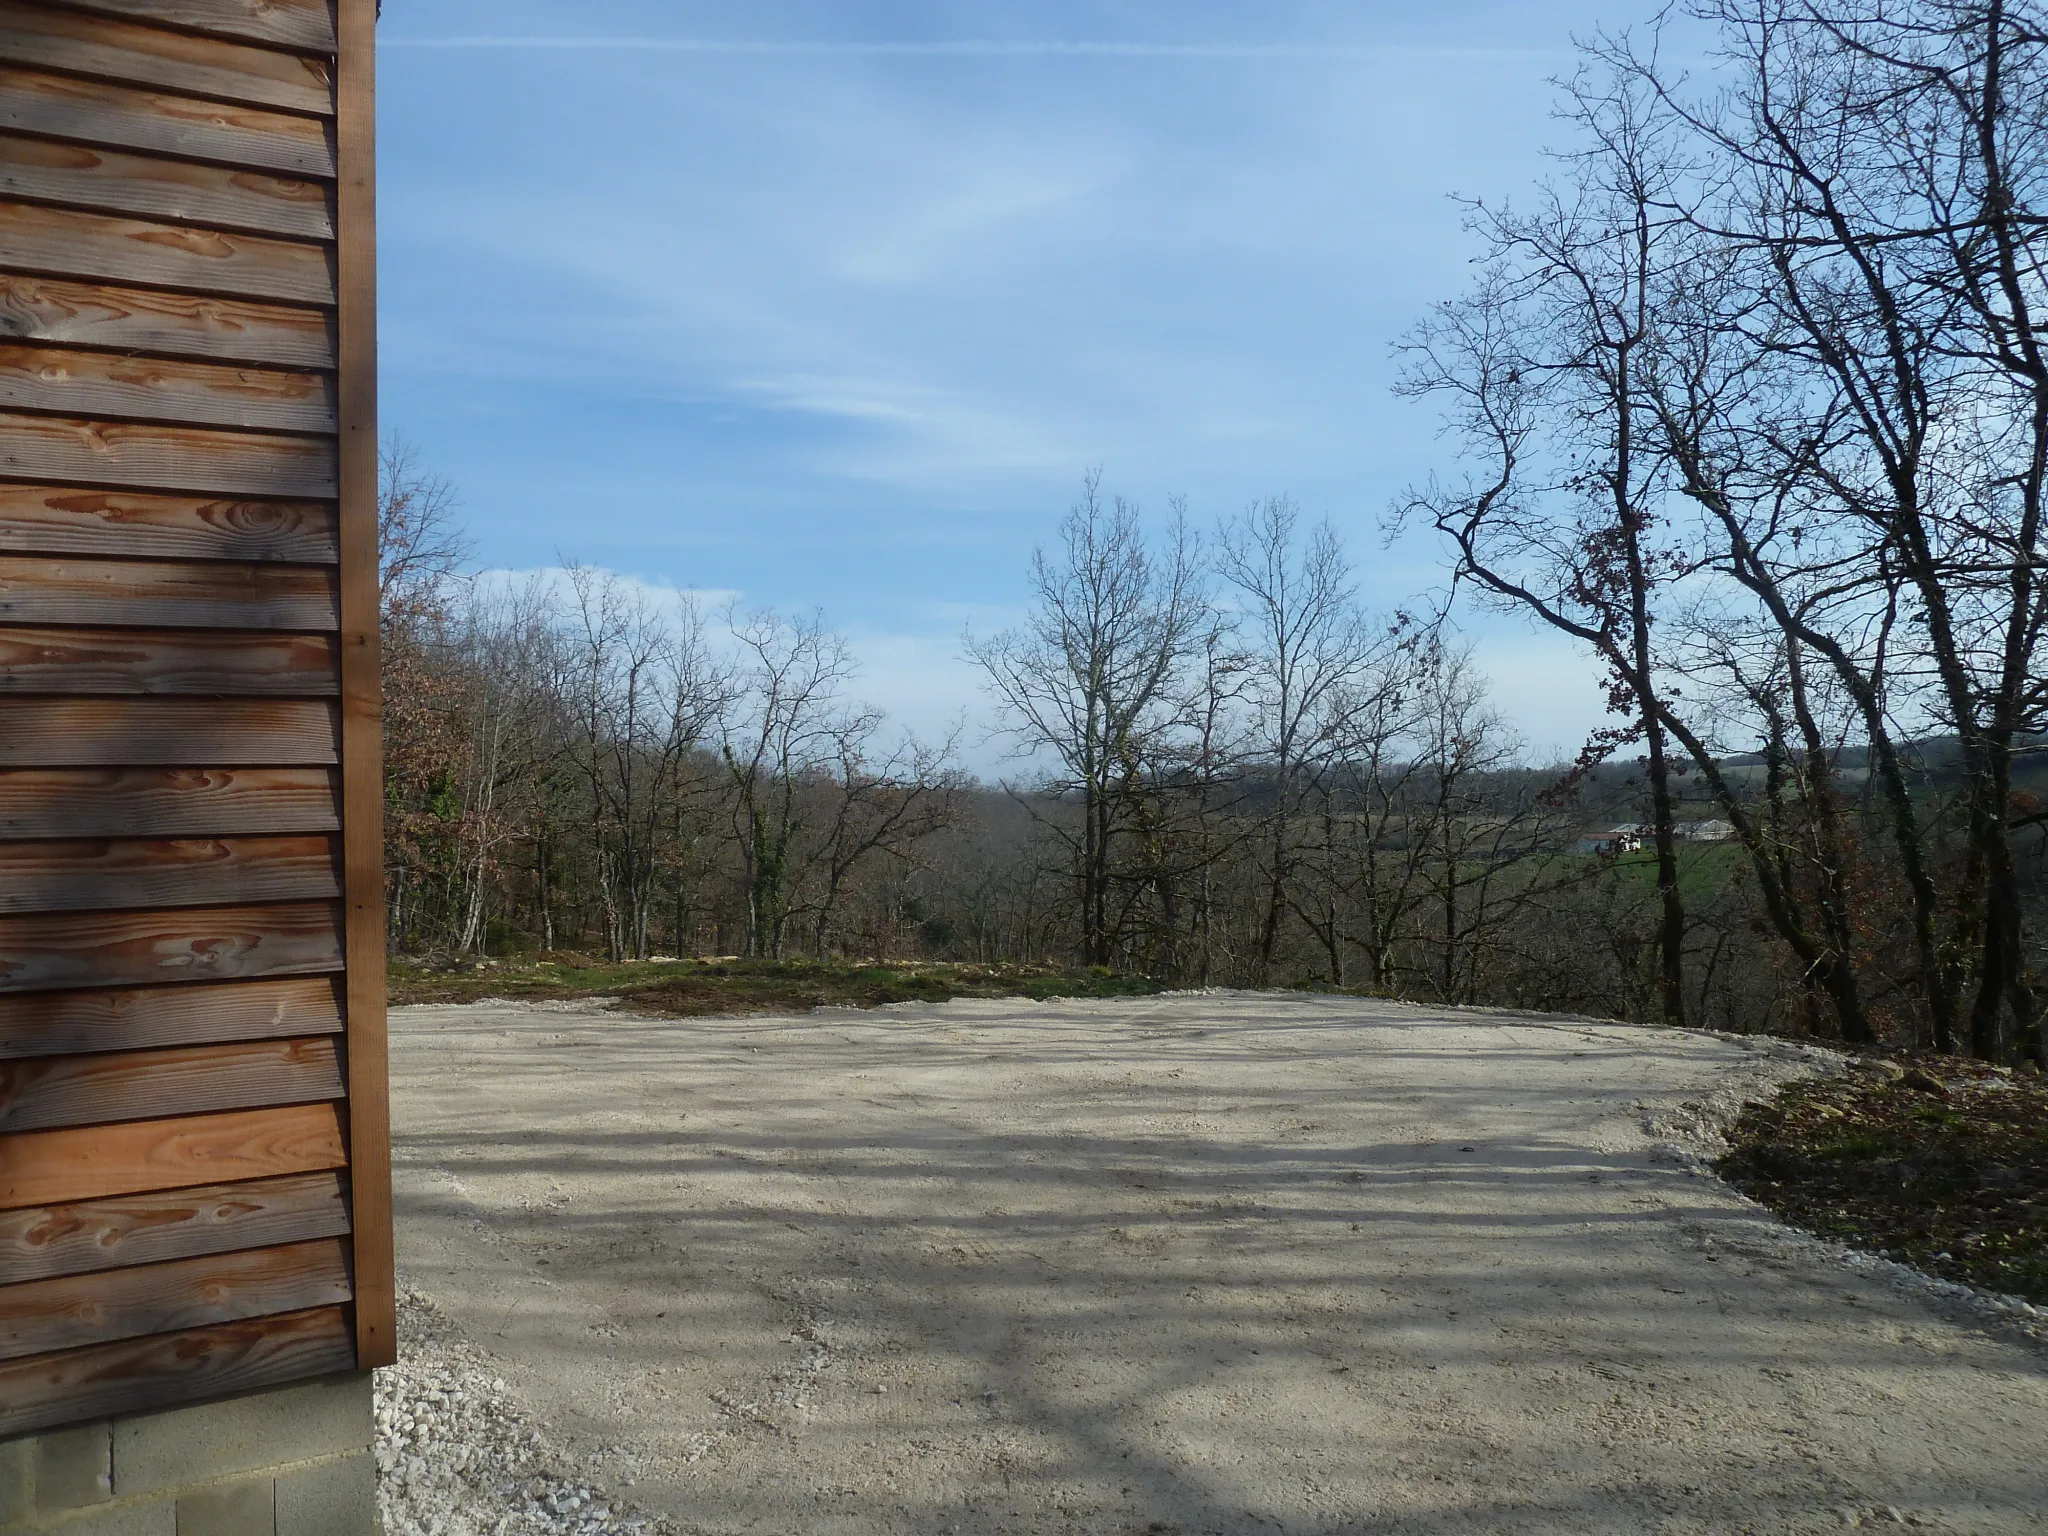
[[194, 1164]]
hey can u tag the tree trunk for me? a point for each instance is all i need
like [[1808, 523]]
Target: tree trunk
[[1671, 929]]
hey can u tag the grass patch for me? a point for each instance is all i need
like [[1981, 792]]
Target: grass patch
[[691, 988], [1704, 869], [1944, 1167]]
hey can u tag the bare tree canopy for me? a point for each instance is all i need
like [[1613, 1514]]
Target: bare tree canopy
[[1757, 400]]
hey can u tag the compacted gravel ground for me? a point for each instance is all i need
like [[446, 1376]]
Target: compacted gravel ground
[[1201, 1264]]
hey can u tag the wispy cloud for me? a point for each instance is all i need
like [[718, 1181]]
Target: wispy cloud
[[839, 313], [989, 48], [557, 583], [852, 399]]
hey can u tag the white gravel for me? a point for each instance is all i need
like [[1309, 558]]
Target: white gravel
[[457, 1456]]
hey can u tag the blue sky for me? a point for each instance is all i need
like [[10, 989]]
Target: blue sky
[[833, 304]]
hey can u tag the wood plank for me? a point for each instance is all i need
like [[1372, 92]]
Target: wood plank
[[165, 1369], [103, 873], [94, 112], [155, 187], [51, 951], [61, 242], [48, 1315], [43, 1242], [42, 520], [109, 733], [52, 448], [166, 662], [376, 1310], [165, 802], [137, 1018], [96, 1162], [307, 25], [167, 593], [131, 320], [137, 55], [105, 385], [139, 1085]]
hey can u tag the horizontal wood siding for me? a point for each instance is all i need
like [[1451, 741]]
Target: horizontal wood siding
[[191, 1201], [41, 1242], [164, 458], [111, 386], [157, 187], [48, 1167], [63, 241], [134, 321], [166, 802], [206, 67], [191, 871], [95, 112], [307, 25], [162, 1369], [62, 949], [134, 1018], [96, 1090], [91, 733], [48, 1315], [40, 520], [206, 596], [165, 662]]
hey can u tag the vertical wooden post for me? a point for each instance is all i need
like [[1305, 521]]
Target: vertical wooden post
[[361, 693]]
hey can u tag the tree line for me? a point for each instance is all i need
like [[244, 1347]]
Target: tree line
[[1751, 402], [582, 764]]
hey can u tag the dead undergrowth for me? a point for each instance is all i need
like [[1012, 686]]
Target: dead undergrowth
[[694, 988], [1940, 1164]]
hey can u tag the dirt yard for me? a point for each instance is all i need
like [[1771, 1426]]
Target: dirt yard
[[1230, 1264]]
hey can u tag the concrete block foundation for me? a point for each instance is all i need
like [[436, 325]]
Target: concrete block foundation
[[291, 1461]]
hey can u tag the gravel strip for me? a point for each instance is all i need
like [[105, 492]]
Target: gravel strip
[[458, 1456]]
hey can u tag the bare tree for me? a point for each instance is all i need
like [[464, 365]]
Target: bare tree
[[421, 544], [1200, 793], [1308, 650], [784, 725], [1876, 176], [884, 808], [1831, 349], [1465, 838], [421, 549], [646, 689], [509, 663], [1093, 679], [1364, 876], [1551, 362]]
